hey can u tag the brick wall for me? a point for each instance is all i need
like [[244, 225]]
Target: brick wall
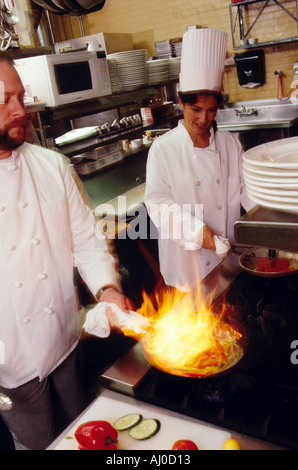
[[156, 20]]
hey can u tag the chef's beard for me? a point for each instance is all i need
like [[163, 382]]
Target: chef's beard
[[11, 142]]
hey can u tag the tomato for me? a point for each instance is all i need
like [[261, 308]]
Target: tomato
[[184, 444], [281, 265], [96, 435]]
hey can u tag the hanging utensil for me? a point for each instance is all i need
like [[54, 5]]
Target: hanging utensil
[[7, 30], [272, 257]]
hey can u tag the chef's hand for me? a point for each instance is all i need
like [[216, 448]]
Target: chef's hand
[[205, 238], [113, 296]]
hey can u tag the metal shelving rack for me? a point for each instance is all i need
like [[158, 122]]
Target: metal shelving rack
[[240, 16]]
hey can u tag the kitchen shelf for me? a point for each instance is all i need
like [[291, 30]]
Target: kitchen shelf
[[240, 16], [86, 145], [62, 116], [105, 103]]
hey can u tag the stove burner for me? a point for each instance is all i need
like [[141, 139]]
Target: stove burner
[[260, 398]]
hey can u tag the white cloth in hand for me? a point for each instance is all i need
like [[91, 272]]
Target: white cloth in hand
[[222, 245], [97, 322]]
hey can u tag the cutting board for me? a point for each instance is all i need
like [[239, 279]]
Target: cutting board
[[110, 406]]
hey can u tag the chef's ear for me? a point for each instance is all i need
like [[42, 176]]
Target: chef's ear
[[181, 102]]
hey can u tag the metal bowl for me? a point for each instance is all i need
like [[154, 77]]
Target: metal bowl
[[250, 262]]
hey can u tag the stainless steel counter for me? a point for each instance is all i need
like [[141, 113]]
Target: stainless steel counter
[[266, 228]]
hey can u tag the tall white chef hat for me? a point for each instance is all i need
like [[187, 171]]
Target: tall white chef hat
[[202, 60]]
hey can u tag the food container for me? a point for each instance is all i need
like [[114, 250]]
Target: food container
[[157, 111], [136, 143]]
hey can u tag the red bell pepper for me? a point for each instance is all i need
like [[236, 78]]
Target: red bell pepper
[[96, 435]]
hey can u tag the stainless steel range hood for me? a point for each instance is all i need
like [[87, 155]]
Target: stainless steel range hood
[[268, 228]]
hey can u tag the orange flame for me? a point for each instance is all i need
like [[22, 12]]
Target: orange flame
[[185, 337]]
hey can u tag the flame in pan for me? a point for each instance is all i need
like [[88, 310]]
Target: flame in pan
[[186, 337]]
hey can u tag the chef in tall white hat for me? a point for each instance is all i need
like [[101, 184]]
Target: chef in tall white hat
[[195, 189]]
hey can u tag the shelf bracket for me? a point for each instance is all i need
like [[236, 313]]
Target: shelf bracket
[[239, 15], [256, 19]]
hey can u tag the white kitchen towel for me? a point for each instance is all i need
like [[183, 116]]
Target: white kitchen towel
[[97, 322], [222, 245], [251, 85]]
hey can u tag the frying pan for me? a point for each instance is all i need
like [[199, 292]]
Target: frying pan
[[50, 6], [60, 4], [72, 7], [88, 4], [230, 364], [251, 262]]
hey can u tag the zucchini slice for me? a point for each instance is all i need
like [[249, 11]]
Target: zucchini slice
[[127, 421], [145, 429]]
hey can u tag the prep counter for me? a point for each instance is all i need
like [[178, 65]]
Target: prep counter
[[110, 406]]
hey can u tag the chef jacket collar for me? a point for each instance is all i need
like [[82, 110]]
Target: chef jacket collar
[[188, 139], [12, 158]]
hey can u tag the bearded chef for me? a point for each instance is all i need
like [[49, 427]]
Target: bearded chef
[[194, 184]]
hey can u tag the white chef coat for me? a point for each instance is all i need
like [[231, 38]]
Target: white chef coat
[[46, 230], [180, 175]]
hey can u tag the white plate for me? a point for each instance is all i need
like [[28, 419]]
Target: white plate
[[284, 172], [133, 52], [279, 198], [273, 191], [269, 179], [266, 184], [281, 153], [272, 205]]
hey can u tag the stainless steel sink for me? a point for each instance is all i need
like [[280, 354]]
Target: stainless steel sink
[[257, 113]]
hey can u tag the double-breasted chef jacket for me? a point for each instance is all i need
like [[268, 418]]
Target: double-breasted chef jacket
[[46, 230], [209, 184]]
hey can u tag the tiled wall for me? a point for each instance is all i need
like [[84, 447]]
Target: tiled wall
[[156, 20]]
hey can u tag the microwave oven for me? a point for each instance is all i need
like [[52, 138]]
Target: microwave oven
[[59, 79]]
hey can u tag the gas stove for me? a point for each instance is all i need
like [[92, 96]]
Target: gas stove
[[259, 398]]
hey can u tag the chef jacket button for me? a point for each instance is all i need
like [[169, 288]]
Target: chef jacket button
[[13, 167], [22, 204], [208, 263], [18, 284], [2, 208], [219, 208], [26, 320], [35, 241], [11, 247], [198, 183], [218, 181], [42, 276], [49, 310]]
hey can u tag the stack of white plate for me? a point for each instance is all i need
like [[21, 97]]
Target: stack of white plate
[[176, 48], [158, 71], [114, 79], [163, 49], [175, 66], [271, 174], [131, 68]]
